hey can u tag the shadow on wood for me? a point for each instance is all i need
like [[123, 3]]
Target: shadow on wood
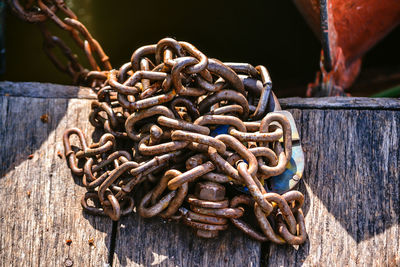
[[352, 165], [40, 207], [351, 185], [148, 242], [37, 100], [352, 181]]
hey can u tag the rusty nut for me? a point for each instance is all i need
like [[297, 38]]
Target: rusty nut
[[210, 191]]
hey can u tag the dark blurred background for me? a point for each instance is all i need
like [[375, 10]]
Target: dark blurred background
[[271, 33]]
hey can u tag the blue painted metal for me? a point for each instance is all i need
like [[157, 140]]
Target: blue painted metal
[[291, 176], [221, 129], [295, 167]]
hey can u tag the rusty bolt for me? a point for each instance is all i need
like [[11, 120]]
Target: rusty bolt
[[210, 191]]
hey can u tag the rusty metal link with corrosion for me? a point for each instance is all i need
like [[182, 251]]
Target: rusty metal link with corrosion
[[190, 138]]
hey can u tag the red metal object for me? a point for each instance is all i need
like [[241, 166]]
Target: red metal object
[[347, 30]]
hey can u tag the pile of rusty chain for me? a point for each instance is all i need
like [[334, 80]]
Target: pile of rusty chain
[[186, 120], [188, 137]]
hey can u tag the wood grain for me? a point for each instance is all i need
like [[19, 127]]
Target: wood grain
[[45, 90], [337, 102], [351, 184], [40, 202], [151, 242], [352, 190]]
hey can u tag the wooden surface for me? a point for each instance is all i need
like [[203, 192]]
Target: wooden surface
[[34, 229], [45, 90], [40, 201], [351, 184], [333, 103], [352, 190], [148, 242]]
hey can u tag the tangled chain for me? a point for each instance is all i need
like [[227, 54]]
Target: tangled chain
[[188, 137], [185, 118]]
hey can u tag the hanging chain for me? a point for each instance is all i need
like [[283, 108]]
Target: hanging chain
[[188, 137], [41, 11]]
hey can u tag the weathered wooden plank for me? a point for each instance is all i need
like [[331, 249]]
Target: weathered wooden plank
[[333, 103], [151, 242], [45, 90], [352, 189], [40, 201], [351, 184], [169, 244]]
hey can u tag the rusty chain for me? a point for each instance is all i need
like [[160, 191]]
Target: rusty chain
[[186, 137]]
